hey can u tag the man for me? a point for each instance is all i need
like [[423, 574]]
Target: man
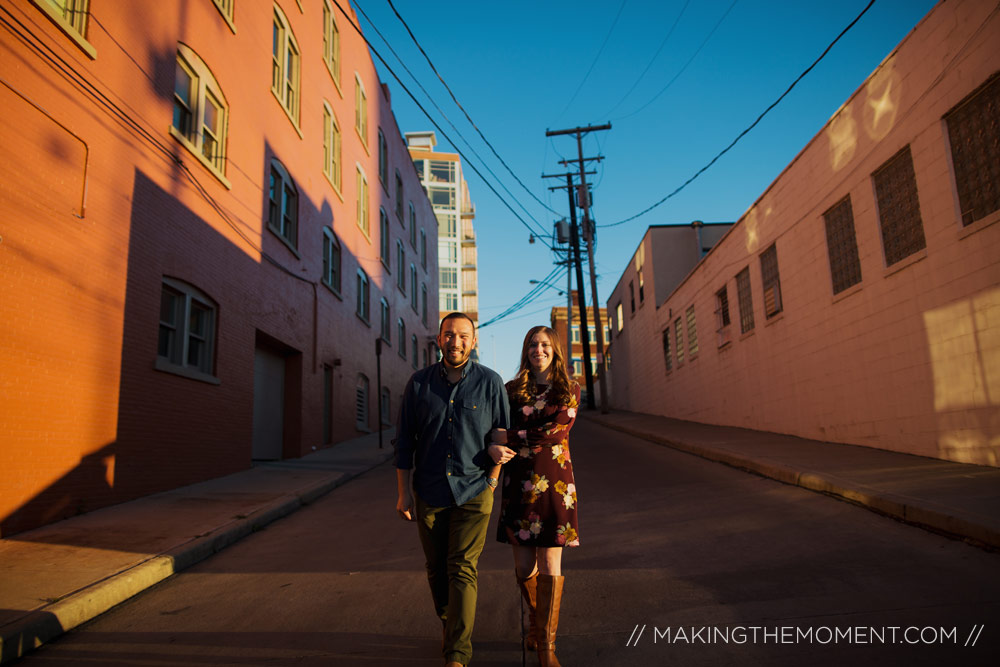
[[448, 410]]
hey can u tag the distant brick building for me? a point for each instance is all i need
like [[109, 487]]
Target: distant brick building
[[571, 327], [202, 214], [858, 299]]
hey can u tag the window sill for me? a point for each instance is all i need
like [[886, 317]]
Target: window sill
[[286, 242], [336, 79], [336, 188], [362, 318], [747, 334], [845, 293], [364, 141], [201, 158], [333, 290], [982, 223], [364, 232], [288, 113], [167, 367], [774, 319], [905, 263], [53, 14]]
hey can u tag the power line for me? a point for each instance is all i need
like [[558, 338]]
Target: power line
[[532, 294], [439, 109], [596, 58], [371, 46], [752, 125], [459, 105]]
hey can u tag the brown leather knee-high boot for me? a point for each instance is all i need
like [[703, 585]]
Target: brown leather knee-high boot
[[549, 599], [529, 587]]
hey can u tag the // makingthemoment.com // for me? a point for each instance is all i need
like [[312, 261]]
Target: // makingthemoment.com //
[[824, 634]]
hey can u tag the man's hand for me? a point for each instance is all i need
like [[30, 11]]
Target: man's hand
[[500, 454], [404, 507]]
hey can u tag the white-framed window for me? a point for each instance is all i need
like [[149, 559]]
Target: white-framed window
[[383, 228], [401, 329], [332, 141], [360, 110], [361, 403], [285, 66], [201, 113], [400, 263], [363, 295], [449, 278], [331, 42], [413, 349], [413, 286], [71, 16], [283, 205], [384, 330], [188, 319], [575, 329], [362, 204], [450, 302], [331, 260], [383, 160], [423, 247]]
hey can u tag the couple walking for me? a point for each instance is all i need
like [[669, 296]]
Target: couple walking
[[459, 429]]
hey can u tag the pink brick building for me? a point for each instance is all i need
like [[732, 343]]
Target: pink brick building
[[208, 217], [858, 299]]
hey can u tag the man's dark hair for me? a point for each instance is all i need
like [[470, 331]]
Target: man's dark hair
[[454, 316]]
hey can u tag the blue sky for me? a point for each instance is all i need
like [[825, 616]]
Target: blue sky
[[515, 67]]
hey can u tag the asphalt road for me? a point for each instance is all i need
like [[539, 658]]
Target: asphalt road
[[678, 556]]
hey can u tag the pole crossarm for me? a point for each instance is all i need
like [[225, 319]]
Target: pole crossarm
[[578, 130]]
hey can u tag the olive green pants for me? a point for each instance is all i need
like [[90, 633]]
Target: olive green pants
[[453, 539]]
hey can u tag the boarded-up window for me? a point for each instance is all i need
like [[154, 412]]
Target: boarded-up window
[[667, 359], [974, 133], [679, 340], [771, 281], [842, 245], [361, 404], [745, 300], [692, 332]]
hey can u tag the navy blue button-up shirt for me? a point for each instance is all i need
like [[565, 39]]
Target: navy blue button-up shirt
[[443, 428]]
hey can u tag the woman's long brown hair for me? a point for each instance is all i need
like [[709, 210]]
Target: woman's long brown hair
[[523, 386]]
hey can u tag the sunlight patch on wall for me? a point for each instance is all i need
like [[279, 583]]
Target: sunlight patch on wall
[[842, 132], [883, 92]]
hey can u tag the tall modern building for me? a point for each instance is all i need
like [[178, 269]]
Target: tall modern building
[[441, 175]]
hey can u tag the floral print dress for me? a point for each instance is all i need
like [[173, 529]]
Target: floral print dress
[[538, 501]]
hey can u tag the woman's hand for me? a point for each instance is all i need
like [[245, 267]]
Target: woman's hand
[[500, 454]]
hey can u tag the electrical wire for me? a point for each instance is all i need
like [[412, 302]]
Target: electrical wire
[[438, 108], [533, 293], [651, 61], [596, 58], [459, 105], [371, 46], [752, 125]]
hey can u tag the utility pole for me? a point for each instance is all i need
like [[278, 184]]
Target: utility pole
[[588, 235], [575, 260]]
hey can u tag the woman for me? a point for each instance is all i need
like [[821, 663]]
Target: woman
[[538, 504]]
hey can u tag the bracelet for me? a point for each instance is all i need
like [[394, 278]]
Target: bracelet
[[492, 481]]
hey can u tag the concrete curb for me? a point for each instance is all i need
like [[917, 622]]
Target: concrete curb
[[909, 510], [49, 622]]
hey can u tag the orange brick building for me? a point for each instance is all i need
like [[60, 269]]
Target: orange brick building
[[208, 217], [858, 299]]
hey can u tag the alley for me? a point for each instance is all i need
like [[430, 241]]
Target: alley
[[670, 543]]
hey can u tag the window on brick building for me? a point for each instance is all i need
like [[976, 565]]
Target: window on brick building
[[745, 300], [400, 263], [187, 329], [771, 281], [331, 42], [401, 329], [423, 249], [974, 135], [201, 114], [331, 147], [331, 260], [413, 349], [360, 110], [413, 226], [619, 319], [423, 304], [361, 209], [842, 245], [722, 307], [642, 288], [413, 286], [363, 296], [679, 341], [384, 332], [384, 240], [285, 66], [399, 198], [899, 207], [71, 16], [631, 294], [692, 333], [283, 205], [667, 358], [361, 403], [383, 160]]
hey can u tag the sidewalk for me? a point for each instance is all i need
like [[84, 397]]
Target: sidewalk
[[957, 499], [64, 574]]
